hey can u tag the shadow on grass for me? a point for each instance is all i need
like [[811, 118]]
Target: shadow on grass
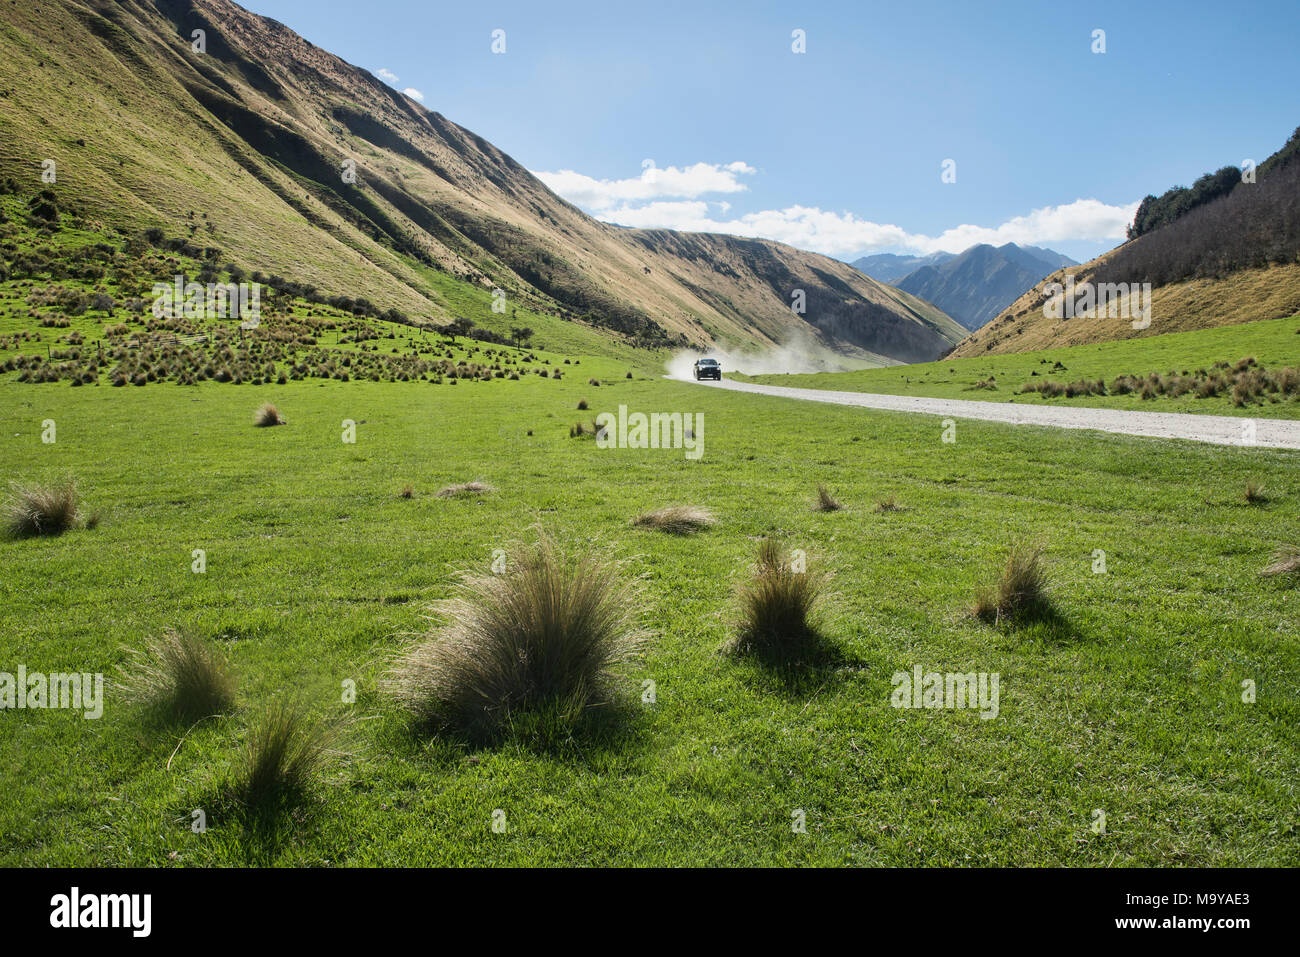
[[1042, 621], [795, 667], [259, 828], [551, 730]]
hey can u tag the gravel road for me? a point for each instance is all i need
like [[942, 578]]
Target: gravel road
[[1216, 429]]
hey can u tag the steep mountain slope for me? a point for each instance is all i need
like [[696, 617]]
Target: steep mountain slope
[[1212, 258], [978, 284], [297, 163], [889, 267]]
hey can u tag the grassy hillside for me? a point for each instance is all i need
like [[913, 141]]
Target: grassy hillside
[[1182, 360], [297, 163], [1129, 701], [1222, 253], [1250, 295]]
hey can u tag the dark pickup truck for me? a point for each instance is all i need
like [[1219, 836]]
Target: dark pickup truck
[[708, 369]]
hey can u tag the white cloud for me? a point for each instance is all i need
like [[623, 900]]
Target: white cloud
[[653, 183], [671, 199], [414, 94], [388, 76]]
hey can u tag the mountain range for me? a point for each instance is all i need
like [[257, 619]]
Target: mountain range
[[973, 286], [199, 117]]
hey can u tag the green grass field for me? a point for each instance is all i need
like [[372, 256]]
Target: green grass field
[[1131, 702], [1273, 343]]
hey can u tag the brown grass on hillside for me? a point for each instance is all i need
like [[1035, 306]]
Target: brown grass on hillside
[[1270, 292]]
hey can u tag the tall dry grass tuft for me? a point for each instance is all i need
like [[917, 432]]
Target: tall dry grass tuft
[[1020, 592], [285, 748], [180, 676], [544, 636], [465, 489], [777, 606], [1285, 561], [35, 510], [267, 415], [1254, 494], [826, 502], [677, 519]]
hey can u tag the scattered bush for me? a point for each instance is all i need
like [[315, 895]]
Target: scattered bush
[[284, 750], [1021, 592], [180, 676], [1285, 561], [267, 416], [544, 635], [777, 606], [677, 519], [826, 502], [464, 489], [44, 510]]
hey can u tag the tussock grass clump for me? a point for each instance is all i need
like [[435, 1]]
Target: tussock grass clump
[[582, 405], [284, 750], [1254, 494], [543, 637], [179, 676], [407, 491], [268, 415], [826, 502], [35, 510], [465, 489], [677, 519], [1285, 561], [1020, 592], [777, 605], [1048, 388], [888, 504]]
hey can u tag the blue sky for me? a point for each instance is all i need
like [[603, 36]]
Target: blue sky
[[840, 149]]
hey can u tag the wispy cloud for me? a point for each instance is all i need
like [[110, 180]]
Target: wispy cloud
[[671, 199], [388, 76], [414, 94], [654, 183]]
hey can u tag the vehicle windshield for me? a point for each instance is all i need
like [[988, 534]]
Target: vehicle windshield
[[708, 362]]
